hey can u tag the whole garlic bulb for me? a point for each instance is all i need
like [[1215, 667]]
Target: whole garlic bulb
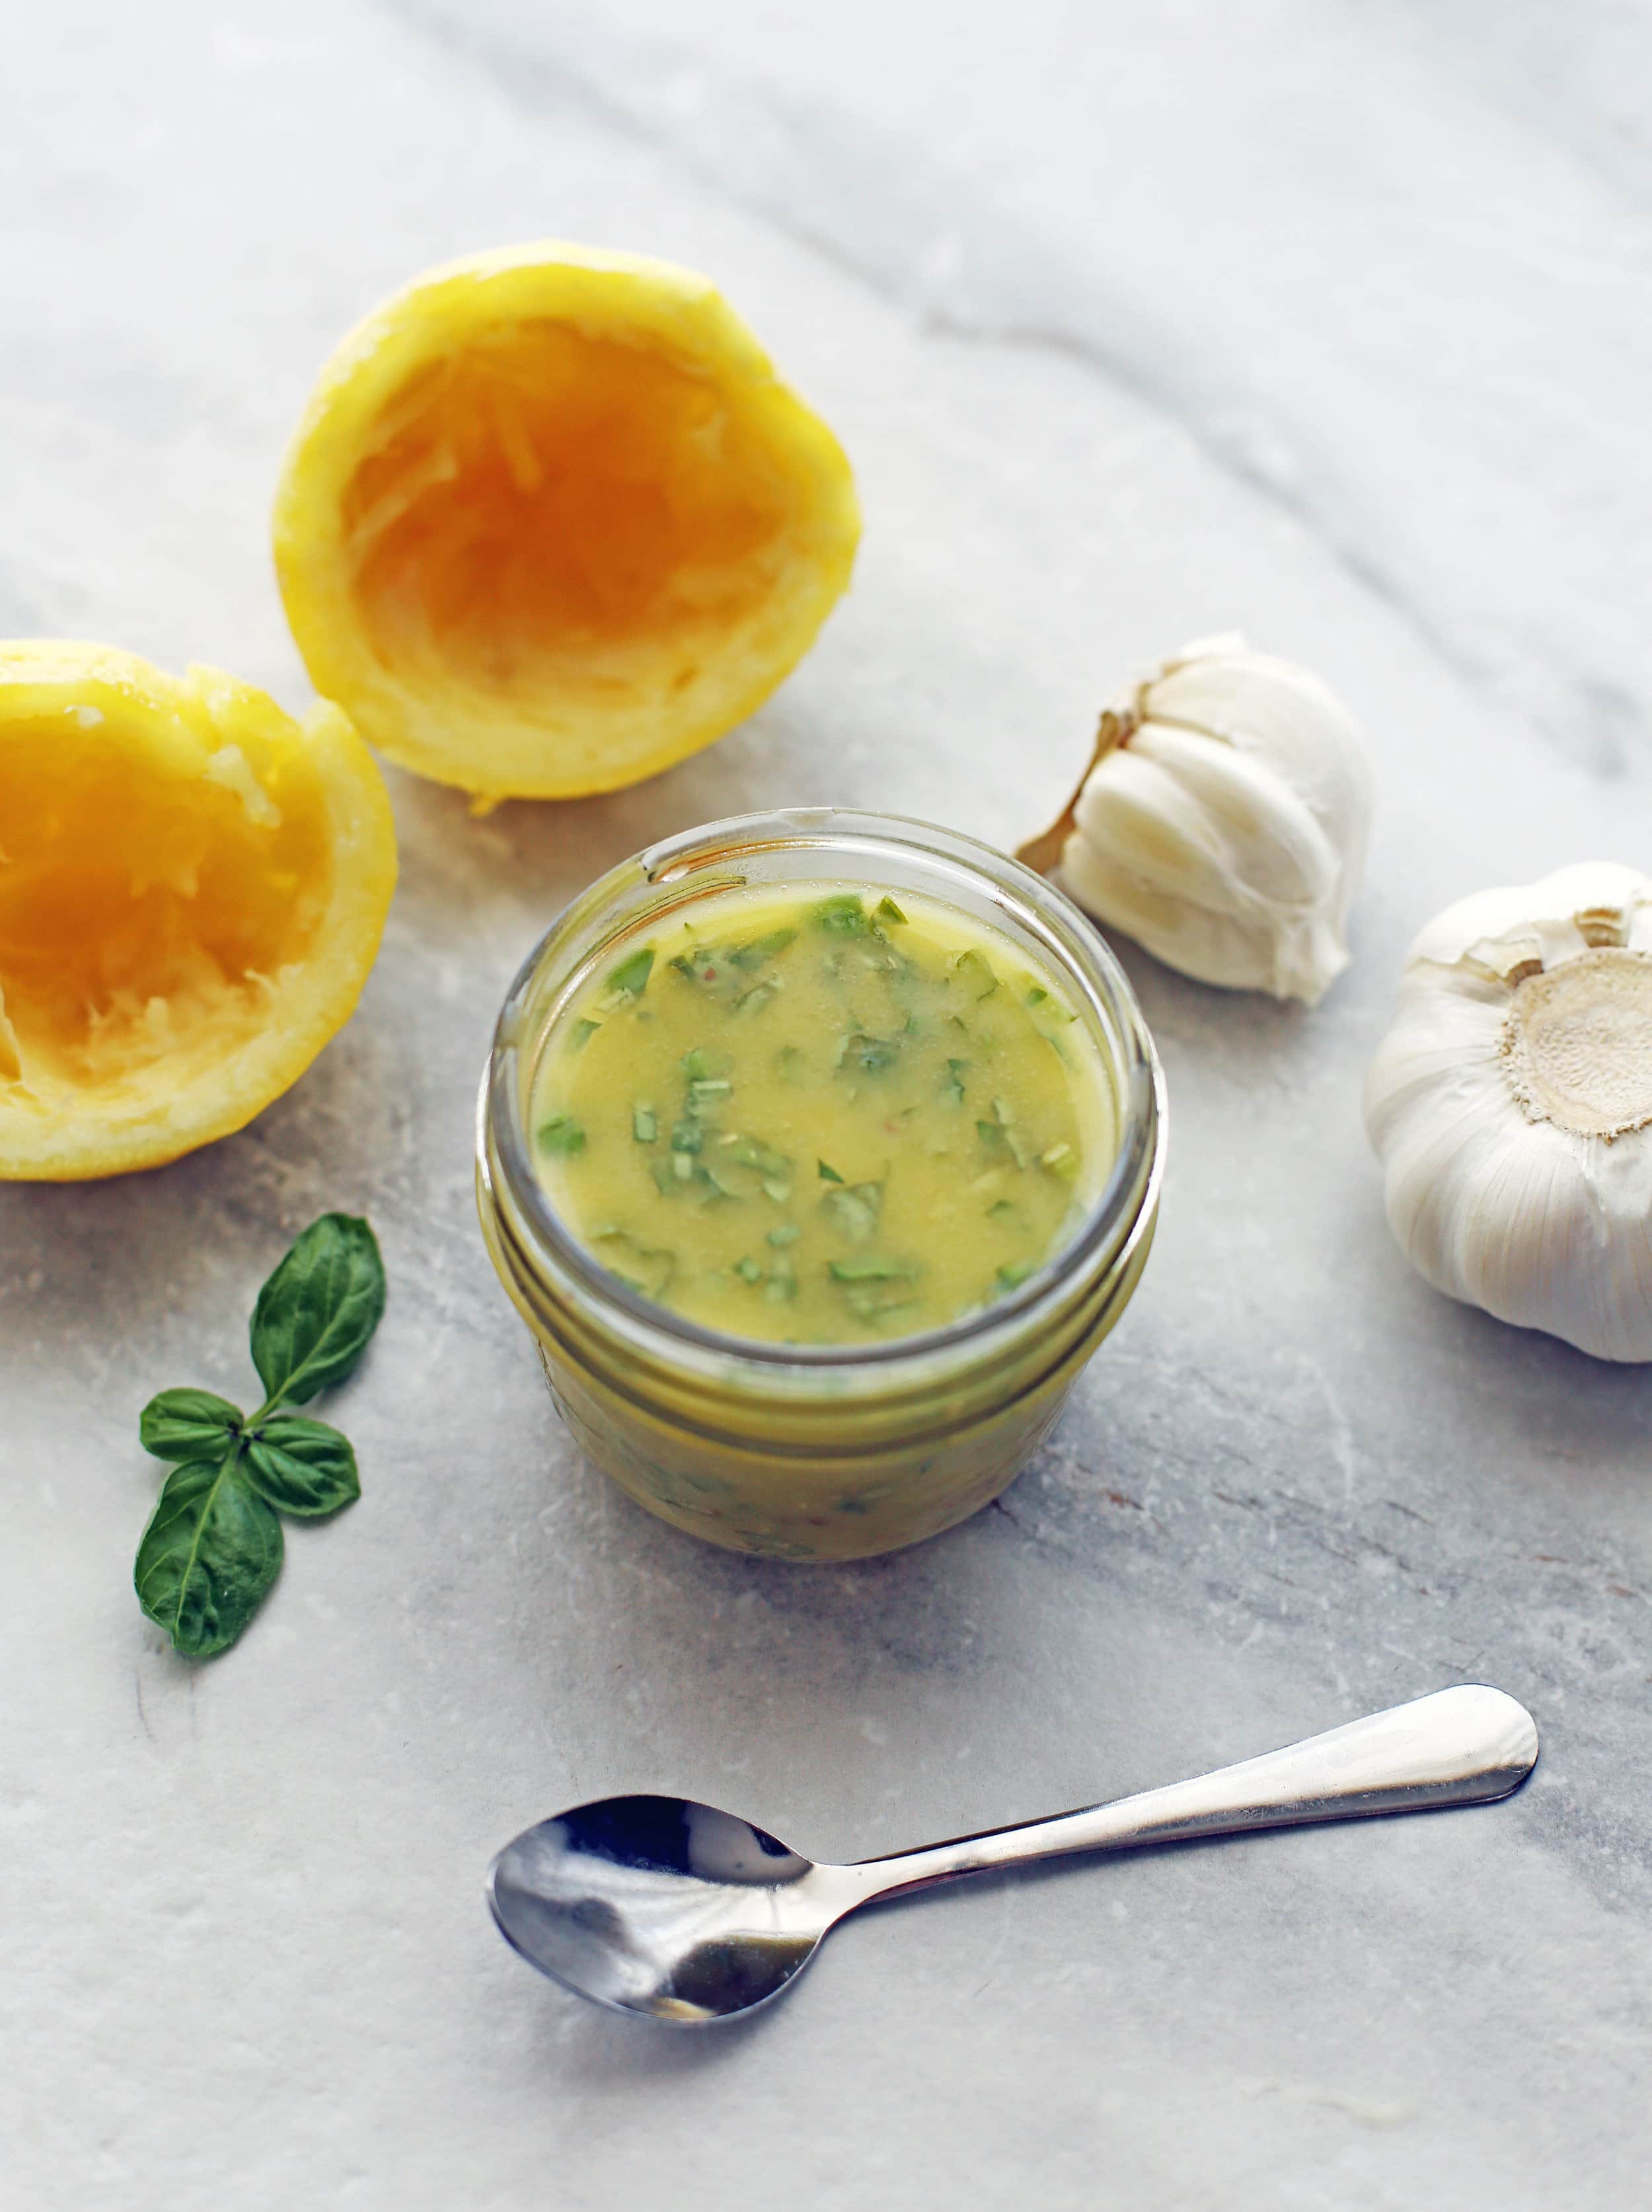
[[1223, 821], [1510, 1105]]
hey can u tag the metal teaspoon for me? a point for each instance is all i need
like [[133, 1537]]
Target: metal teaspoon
[[660, 1907]]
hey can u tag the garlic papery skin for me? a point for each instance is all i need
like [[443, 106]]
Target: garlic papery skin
[[1510, 1105], [1223, 821]]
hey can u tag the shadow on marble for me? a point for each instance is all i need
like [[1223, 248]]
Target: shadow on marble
[[582, 2044], [526, 849]]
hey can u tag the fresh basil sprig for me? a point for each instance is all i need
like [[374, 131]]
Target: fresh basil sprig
[[213, 1544]]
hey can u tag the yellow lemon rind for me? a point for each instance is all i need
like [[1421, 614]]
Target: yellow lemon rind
[[547, 749], [185, 728]]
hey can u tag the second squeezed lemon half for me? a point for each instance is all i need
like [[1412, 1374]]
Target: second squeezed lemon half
[[552, 521], [193, 890], [821, 1116]]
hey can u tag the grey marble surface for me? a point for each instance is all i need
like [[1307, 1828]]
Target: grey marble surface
[[1327, 321]]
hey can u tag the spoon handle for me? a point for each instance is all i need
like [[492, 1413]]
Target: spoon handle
[[1458, 1747]]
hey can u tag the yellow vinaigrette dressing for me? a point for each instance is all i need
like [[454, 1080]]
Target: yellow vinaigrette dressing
[[821, 1116]]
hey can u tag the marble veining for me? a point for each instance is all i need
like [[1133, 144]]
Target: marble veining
[[1325, 321]]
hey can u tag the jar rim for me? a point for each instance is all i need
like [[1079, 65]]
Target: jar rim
[[1123, 1207]]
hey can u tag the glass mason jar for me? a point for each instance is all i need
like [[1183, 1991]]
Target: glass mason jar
[[805, 1452]]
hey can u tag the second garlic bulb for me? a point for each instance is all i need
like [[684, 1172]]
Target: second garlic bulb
[[1511, 1107], [1223, 821]]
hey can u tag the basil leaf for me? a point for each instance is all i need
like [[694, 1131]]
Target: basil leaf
[[189, 1424], [302, 1467], [210, 1553], [316, 1313], [214, 1543]]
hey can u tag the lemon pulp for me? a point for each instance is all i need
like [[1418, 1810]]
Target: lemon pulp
[[192, 888], [138, 931], [551, 522], [548, 496]]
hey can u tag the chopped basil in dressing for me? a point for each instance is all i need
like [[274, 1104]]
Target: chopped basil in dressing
[[821, 1117]]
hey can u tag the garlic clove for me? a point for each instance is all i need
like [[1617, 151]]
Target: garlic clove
[[1223, 821], [1511, 1104], [1216, 827], [1287, 719], [1212, 948], [1169, 847]]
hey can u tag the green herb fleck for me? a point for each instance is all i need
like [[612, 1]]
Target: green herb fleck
[[687, 1137], [827, 1173], [562, 1136], [854, 1211], [645, 1123], [998, 1134], [869, 1055], [630, 978], [842, 915], [582, 1034], [889, 910], [761, 948], [788, 1233], [952, 1089], [748, 1271], [747, 1152], [1017, 1273], [976, 976], [213, 1545], [759, 996], [657, 1261], [869, 1267]]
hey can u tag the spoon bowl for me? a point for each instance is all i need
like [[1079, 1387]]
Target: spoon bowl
[[676, 1911], [663, 1907]]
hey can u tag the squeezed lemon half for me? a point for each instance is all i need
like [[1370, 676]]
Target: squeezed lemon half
[[192, 890], [551, 522]]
